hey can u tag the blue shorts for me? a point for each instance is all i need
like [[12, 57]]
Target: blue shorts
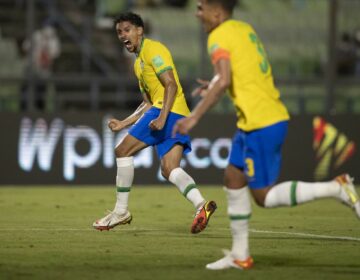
[[161, 139], [258, 153]]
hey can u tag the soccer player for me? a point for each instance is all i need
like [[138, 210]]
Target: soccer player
[[152, 123], [241, 67]]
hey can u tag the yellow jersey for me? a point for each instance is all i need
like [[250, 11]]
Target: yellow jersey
[[153, 60], [252, 91]]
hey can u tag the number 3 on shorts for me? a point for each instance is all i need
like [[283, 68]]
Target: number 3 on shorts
[[250, 167]]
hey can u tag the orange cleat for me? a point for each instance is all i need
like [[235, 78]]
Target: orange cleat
[[230, 262], [202, 216]]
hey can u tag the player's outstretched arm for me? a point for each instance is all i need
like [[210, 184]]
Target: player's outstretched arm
[[117, 125], [216, 89]]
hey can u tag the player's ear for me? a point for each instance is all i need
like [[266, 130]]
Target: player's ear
[[140, 31]]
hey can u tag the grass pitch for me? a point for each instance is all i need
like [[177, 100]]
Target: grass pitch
[[46, 233]]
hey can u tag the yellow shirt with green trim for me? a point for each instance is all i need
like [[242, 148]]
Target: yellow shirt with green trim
[[153, 60], [252, 91]]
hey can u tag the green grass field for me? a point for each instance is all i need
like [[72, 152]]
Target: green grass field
[[46, 233]]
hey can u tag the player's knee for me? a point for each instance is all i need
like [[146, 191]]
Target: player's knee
[[259, 195], [230, 183], [165, 171], [122, 151], [260, 201]]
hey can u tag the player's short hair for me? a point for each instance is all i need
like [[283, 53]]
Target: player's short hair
[[133, 18], [227, 5]]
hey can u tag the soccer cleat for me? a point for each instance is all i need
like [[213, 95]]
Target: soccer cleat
[[112, 220], [202, 216], [349, 194], [230, 262]]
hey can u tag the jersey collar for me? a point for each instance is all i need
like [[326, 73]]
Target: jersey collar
[[141, 46], [223, 23]]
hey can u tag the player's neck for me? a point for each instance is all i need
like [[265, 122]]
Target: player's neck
[[139, 46], [224, 17]]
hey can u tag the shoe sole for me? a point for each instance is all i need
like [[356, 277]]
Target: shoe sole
[[127, 221], [200, 224]]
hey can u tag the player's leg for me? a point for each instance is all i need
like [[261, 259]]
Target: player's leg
[[264, 158], [124, 177], [125, 170], [139, 136], [170, 150], [171, 170], [239, 210], [291, 193]]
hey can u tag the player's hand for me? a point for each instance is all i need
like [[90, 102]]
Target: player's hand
[[184, 125], [157, 124], [200, 90], [116, 125]]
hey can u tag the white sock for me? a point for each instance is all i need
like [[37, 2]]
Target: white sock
[[296, 192], [124, 179], [239, 211], [186, 186]]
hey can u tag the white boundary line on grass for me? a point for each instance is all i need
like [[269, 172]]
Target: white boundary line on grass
[[306, 234], [134, 229]]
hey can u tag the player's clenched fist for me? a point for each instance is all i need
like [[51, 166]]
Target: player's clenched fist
[[157, 124], [116, 125]]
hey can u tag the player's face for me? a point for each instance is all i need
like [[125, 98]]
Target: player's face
[[130, 35], [207, 14]]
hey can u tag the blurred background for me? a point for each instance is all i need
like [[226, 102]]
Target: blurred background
[[63, 57]]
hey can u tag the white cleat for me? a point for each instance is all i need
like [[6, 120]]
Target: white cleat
[[230, 262], [112, 220], [348, 192]]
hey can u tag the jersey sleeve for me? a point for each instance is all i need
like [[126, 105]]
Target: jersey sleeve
[[218, 47], [160, 58]]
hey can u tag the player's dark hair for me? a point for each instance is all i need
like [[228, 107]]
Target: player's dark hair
[[133, 18], [227, 5]]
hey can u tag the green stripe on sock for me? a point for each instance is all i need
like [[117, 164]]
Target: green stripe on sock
[[239, 217], [121, 189], [293, 193], [189, 188]]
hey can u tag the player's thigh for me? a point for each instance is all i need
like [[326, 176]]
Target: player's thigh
[[141, 130], [171, 160], [234, 176], [263, 158], [129, 146]]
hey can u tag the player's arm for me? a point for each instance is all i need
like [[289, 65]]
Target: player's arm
[[168, 81], [216, 89], [117, 125], [200, 90]]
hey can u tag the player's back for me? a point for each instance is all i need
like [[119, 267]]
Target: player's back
[[252, 88]]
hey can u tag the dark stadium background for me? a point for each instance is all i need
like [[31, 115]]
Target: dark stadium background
[[313, 46]]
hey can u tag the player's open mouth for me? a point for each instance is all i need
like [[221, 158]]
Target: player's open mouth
[[127, 43]]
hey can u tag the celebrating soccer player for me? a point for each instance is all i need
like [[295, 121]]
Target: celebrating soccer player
[[152, 124], [241, 67]]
